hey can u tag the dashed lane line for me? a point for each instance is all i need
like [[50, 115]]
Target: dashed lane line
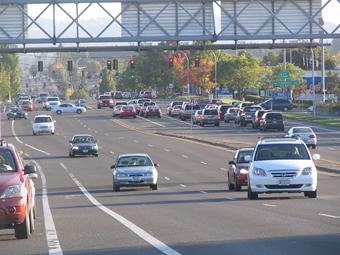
[[270, 205], [150, 145], [185, 156], [165, 149], [224, 169], [15, 135], [204, 163], [183, 186], [329, 216], [203, 192], [167, 178], [153, 122], [162, 247]]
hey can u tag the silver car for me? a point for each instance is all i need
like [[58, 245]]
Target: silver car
[[83, 145], [134, 170], [306, 134]]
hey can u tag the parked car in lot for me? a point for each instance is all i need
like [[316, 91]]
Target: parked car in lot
[[134, 170], [188, 110], [209, 117], [282, 165], [306, 134], [127, 111], [175, 110], [196, 118], [104, 101], [83, 145], [16, 113], [247, 114], [126, 95], [257, 117], [68, 108], [17, 192], [171, 105], [230, 114], [238, 169], [43, 124], [272, 120], [222, 109], [277, 105], [152, 110]]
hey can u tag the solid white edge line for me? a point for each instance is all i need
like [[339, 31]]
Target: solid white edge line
[[204, 163], [183, 186], [167, 178], [223, 169], [329, 216], [15, 134], [270, 205], [53, 243], [156, 123], [184, 156], [162, 247], [62, 165], [32, 147], [203, 192]]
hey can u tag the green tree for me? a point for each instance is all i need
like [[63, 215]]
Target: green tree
[[12, 67], [107, 84]]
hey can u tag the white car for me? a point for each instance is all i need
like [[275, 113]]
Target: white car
[[305, 133], [282, 165], [52, 104], [68, 108], [43, 124]]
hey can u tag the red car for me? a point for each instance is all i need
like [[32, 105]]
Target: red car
[[152, 110], [127, 111], [105, 101], [17, 192], [27, 106], [238, 169]]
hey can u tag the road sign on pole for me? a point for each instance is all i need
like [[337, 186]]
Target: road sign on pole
[[284, 74], [285, 83]]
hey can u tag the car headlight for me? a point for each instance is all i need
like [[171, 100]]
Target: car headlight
[[307, 171], [259, 172], [75, 148], [243, 171], [148, 174], [120, 174], [95, 147], [12, 191]]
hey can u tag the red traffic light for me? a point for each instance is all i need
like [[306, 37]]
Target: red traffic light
[[132, 63], [197, 62], [109, 64]]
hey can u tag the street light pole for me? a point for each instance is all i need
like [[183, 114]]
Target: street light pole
[[313, 83], [9, 87], [215, 73]]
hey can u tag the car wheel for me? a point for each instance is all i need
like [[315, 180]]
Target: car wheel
[[154, 186], [170, 114], [217, 124], [230, 185], [58, 112], [313, 146], [34, 133], [32, 227], [311, 194], [237, 186], [116, 187], [134, 116], [96, 155], [22, 231], [79, 111], [71, 155], [98, 107], [52, 133], [252, 195]]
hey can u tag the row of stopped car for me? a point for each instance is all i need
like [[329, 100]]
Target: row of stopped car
[[142, 107], [274, 165]]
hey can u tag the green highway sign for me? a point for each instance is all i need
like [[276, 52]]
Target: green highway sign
[[285, 83], [284, 74]]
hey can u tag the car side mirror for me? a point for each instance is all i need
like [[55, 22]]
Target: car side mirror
[[247, 158], [232, 162], [156, 165], [316, 156], [70, 141], [113, 166], [31, 170]]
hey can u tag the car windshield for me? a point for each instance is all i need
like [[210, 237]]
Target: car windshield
[[274, 116], [7, 162], [281, 152], [83, 139], [52, 99], [192, 107], [251, 109], [42, 119], [210, 112], [242, 154], [224, 108], [302, 130], [129, 161], [104, 97]]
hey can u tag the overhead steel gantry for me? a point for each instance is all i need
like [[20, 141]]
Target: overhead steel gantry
[[62, 25]]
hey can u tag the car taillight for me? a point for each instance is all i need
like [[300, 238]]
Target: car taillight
[[312, 136], [111, 101], [148, 110]]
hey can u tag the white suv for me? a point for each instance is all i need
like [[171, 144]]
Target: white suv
[[282, 165], [43, 124]]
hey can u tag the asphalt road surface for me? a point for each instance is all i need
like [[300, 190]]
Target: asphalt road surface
[[192, 212]]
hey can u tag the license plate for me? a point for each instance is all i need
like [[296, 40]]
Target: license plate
[[136, 178], [85, 151], [274, 121], [284, 182]]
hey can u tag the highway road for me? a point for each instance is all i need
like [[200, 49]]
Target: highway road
[[192, 212]]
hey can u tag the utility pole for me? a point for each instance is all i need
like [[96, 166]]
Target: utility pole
[[313, 83], [9, 87]]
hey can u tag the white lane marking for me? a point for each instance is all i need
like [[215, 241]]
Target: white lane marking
[[121, 138], [112, 152], [156, 123], [185, 156], [329, 216], [150, 145], [204, 163], [203, 192], [183, 186], [223, 169], [57, 133], [85, 126], [270, 205], [15, 135], [167, 178], [106, 134], [88, 128], [135, 141], [34, 148], [162, 247], [332, 149], [165, 149], [68, 197], [50, 230], [64, 136], [62, 165], [96, 132]]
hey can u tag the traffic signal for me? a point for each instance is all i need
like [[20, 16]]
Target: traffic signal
[[109, 64], [171, 61], [132, 63], [197, 62], [69, 65], [40, 66], [115, 64]]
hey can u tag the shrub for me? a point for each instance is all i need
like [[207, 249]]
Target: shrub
[[254, 98]]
